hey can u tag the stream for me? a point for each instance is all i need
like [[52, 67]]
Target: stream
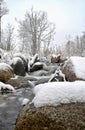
[[11, 103], [10, 106]]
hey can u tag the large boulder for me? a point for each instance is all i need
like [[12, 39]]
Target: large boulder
[[24, 59], [57, 93], [47, 110], [63, 117], [18, 66], [74, 68], [6, 72]]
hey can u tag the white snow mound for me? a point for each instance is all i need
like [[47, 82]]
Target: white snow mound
[[79, 66], [56, 93]]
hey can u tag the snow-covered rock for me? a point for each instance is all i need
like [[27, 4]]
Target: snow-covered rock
[[74, 68], [56, 93], [55, 58], [24, 59], [6, 72], [18, 66], [36, 66], [6, 87], [57, 76], [33, 59]]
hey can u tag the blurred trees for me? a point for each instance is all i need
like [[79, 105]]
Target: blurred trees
[[76, 47], [3, 11], [35, 31], [36, 34], [8, 38]]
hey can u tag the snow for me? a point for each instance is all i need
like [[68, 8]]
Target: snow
[[22, 56], [55, 56], [56, 93], [57, 73], [15, 77], [6, 87], [32, 61], [7, 56], [15, 60], [79, 66], [38, 63], [4, 66], [25, 101], [61, 74]]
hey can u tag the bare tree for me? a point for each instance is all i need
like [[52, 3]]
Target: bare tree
[[82, 44], [76, 47], [35, 30], [8, 39], [3, 11]]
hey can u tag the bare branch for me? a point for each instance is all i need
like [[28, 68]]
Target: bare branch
[[36, 29]]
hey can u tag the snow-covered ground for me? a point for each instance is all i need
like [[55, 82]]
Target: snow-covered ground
[[56, 93]]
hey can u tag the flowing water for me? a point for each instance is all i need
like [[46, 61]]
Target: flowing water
[[10, 106], [11, 103]]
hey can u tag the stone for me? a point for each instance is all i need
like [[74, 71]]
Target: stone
[[6, 72], [36, 66], [33, 60], [74, 69], [57, 76], [20, 82], [18, 66], [63, 117], [55, 58], [24, 59]]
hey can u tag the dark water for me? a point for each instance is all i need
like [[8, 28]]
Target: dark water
[[10, 106]]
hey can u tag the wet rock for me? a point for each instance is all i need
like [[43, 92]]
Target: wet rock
[[24, 59], [6, 72], [20, 82], [18, 66], [63, 117], [36, 66]]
